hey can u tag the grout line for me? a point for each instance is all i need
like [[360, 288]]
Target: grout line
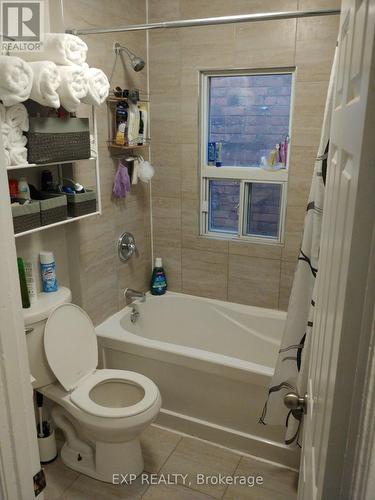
[[234, 473], [170, 454]]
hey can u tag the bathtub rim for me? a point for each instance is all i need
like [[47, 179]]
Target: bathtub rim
[[112, 335]]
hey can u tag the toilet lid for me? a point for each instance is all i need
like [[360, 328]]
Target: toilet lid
[[70, 345]]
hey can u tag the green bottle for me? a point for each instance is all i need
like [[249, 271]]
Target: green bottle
[[23, 285]]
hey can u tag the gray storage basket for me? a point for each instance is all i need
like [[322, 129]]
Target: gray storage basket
[[55, 139], [81, 203], [53, 208], [26, 216]]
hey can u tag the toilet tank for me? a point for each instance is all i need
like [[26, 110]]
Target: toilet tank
[[35, 319]]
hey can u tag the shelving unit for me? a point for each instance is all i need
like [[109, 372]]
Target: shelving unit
[[59, 165], [56, 224], [39, 165]]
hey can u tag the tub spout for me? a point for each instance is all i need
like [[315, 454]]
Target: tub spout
[[131, 295]]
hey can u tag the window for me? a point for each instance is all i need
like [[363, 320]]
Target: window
[[245, 123]]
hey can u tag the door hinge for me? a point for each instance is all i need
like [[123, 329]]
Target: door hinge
[[39, 482]]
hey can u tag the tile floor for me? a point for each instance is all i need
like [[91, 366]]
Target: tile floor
[[166, 452]]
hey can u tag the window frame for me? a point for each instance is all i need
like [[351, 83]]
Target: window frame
[[242, 174]]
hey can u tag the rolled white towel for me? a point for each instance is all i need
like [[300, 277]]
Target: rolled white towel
[[5, 129], [16, 79], [18, 156], [45, 83], [17, 116], [7, 158], [60, 48], [16, 139], [73, 86], [98, 86], [2, 112]]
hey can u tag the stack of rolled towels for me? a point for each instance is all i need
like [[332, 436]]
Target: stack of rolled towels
[[14, 122], [56, 76]]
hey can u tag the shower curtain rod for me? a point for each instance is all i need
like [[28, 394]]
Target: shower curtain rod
[[208, 21]]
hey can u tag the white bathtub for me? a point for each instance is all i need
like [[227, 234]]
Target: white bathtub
[[212, 361]]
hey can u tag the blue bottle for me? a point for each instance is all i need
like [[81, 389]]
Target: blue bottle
[[158, 279]]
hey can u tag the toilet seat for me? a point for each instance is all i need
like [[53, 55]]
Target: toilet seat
[[71, 349], [81, 395]]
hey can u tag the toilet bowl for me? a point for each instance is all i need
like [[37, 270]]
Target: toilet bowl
[[101, 412]]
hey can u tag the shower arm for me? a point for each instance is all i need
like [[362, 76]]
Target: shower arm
[[209, 21], [121, 48]]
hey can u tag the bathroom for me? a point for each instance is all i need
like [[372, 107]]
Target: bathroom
[[189, 393]]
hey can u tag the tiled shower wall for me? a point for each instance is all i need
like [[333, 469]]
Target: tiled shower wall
[[97, 277], [236, 271]]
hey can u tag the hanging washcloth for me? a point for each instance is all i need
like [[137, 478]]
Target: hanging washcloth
[[121, 184]]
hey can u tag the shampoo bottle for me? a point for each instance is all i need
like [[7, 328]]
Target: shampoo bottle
[[23, 285], [158, 279]]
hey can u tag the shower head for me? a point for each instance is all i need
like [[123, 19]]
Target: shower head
[[137, 62]]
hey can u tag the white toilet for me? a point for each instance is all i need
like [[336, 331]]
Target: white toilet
[[101, 412]]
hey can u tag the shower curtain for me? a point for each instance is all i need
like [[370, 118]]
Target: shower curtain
[[292, 364]]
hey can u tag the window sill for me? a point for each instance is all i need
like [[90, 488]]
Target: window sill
[[242, 239]]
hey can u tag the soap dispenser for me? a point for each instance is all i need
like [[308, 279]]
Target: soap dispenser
[[158, 279]]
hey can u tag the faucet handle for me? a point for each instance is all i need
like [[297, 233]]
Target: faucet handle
[[126, 246]]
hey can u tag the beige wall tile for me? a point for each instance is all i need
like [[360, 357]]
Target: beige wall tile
[[295, 219], [253, 281], [248, 249], [166, 214], [301, 167], [292, 246], [204, 273], [198, 8], [190, 171]]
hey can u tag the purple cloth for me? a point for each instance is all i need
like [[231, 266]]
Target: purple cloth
[[121, 184]]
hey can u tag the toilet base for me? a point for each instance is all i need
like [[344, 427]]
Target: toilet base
[[111, 459]]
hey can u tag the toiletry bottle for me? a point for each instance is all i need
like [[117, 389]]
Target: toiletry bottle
[[48, 271], [211, 153], [141, 128], [218, 154], [23, 285], [23, 189], [158, 279], [30, 281]]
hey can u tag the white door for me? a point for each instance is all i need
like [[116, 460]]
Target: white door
[[348, 221]]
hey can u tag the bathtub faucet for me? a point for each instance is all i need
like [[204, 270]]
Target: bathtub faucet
[[132, 295]]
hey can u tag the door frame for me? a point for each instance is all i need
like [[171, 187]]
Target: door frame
[[19, 454], [349, 469]]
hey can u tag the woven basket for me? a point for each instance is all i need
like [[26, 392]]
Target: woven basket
[[81, 204], [53, 139], [26, 217], [53, 209]]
